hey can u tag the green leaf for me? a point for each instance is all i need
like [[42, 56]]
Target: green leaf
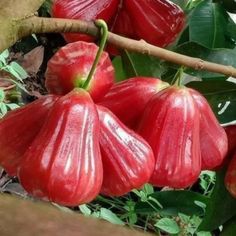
[[3, 109], [12, 106], [221, 206], [109, 216], [204, 233], [3, 56], [208, 24], [2, 95], [136, 64], [229, 228], [119, 69], [168, 225], [173, 203], [20, 70], [85, 210], [221, 95]]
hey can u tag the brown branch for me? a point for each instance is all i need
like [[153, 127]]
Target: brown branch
[[52, 25]]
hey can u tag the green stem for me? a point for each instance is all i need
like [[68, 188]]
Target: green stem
[[104, 32], [177, 80]]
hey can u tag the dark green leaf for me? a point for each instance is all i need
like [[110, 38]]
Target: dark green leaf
[[119, 69], [174, 202], [140, 65], [221, 206], [208, 24], [168, 225], [229, 228]]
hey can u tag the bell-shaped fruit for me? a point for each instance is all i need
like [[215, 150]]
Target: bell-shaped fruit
[[87, 10], [230, 177], [213, 138], [127, 99], [170, 124], [156, 21], [70, 66], [18, 130], [63, 164], [231, 134], [128, 160]]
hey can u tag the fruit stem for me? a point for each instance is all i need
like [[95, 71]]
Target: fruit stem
[[177, 80], [104, 34]]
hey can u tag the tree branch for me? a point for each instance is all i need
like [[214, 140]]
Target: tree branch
[[53, 25]]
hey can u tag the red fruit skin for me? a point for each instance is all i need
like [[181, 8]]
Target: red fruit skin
[[156, 21], [70, 66], [128, 160], [170, 124], [213, 138], [127, 99], [230, 177], [231, 134], [18, 130], [87, 10], [63, 164]]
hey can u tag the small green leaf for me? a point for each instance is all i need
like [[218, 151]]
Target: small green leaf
[[20, 70], [12, 106], [3, 109], [168, 225], [204, 233], [5, 54], [111, 217], [2, 95], [85, 210]]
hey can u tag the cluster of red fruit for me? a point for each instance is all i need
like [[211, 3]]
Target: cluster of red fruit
[[110, 138], [158, 22], [69, 147]]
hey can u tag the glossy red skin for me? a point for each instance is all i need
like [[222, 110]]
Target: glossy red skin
[[63, 164], [231, 134], [170, 124], [156, 21], [128, 160], [213, 138], [84, 10], [18, 130], [230, 177], [71, 65], [127, 99]]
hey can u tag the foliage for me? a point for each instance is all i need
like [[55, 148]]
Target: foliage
[[15, 74]]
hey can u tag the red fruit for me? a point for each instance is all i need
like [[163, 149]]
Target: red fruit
[[18, 130], [156, 21], [128, 160], [231, 134], [230, 177], [123, 25], [170, 124], [70, 66], [127, 99], [213, 138], [63, 164], [87, 10]]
